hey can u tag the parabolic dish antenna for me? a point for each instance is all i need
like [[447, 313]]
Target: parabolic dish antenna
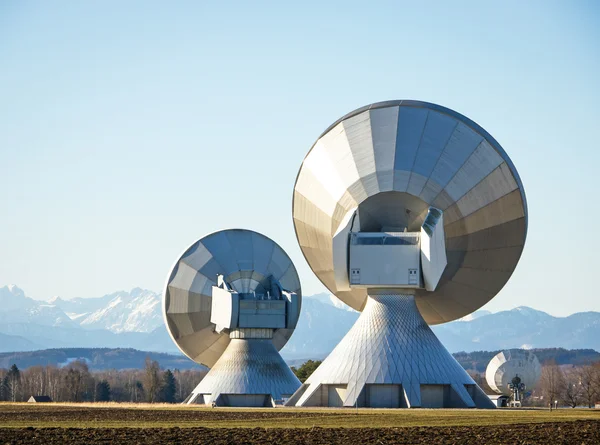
[[388, 163], [506, 365], [232, 300], [413, 214]]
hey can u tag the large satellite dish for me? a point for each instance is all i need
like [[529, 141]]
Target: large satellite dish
[[414, 215], [506, 365], [232, 300], [388, 163]]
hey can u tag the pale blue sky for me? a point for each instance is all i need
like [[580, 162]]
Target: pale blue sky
[[130, 129]]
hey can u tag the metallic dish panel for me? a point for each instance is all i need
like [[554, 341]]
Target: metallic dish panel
[[442, 159], [244, 258], [509, 363], [384, 129]]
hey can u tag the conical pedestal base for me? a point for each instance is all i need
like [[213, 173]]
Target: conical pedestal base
[[249, 373], [390, 358]]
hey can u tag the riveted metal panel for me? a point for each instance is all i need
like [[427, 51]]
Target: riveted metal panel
[[436, 135], [360, 141], [384, 127], [222, 251], [337, 148], [480, 164], [243, 251], [461, 145], [496, 185], [411, 123], [500, 211]]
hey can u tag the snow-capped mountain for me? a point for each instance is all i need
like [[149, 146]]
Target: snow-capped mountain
[[78, 306], [15, 307], [134, 311], [134, 319]]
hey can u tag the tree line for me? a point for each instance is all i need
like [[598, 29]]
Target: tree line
[[569, 385], [76, 383]]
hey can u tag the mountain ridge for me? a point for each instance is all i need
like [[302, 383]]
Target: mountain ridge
[[134, 319]]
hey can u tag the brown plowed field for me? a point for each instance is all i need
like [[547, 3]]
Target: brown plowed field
[[59, 413], [578, 432], [50, 424]]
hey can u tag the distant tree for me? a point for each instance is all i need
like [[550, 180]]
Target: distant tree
[[306, 369], [152, 382], [588, 375], [180, 378], [102, 391], [55, 382], [169, 387], [573, 393], [3, 385], [134, 389], [12, 382], [73, 385], [187, 381], [77, 381], [596, 379], [552, 382], [34, 380], [3, 389], [138, 390]]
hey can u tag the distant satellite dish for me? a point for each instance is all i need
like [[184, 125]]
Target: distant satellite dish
[[508, 365]]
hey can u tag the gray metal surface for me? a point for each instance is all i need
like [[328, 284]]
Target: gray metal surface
[[410, 155], [507, 364], [247, 368], [391, 345], [244, 258]]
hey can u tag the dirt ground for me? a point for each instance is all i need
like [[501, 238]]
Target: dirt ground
[[50, 424], [578, 432], [56, 413]]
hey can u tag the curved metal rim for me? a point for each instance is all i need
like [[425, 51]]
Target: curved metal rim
[[417, 104], [165, 287]]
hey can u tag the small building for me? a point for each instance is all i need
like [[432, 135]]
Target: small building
[[499, 400], [39, 399], [597, 405]]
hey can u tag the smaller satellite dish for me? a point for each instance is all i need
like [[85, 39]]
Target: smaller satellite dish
[[231, 302], [513, 367]]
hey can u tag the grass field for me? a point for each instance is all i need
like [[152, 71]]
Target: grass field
[[141, 423], [107, 415]]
